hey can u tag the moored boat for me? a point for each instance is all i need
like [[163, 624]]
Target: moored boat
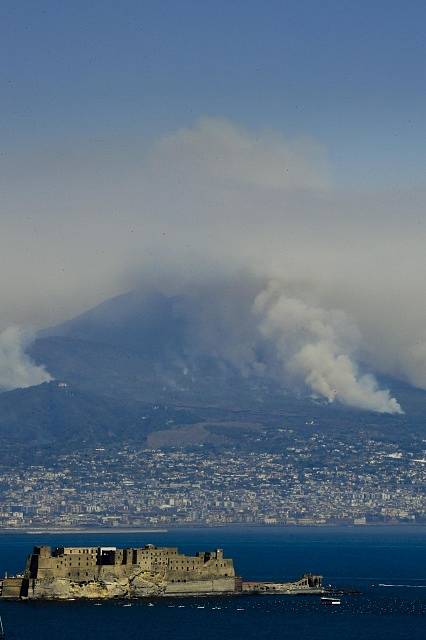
[[330, 600]]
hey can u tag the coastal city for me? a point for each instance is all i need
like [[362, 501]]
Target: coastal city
[[319, 478]]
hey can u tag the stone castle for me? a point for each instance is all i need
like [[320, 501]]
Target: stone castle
[[108, 572]]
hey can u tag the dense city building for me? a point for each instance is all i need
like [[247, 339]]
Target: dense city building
[[319, 478]]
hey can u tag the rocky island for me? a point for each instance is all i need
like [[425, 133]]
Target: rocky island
[[65, 573]]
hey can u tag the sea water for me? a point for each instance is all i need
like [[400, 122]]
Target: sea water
[[387, 565]]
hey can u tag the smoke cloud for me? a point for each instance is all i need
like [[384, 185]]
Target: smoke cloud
[[318, 346], [16, 368], [95, 217]]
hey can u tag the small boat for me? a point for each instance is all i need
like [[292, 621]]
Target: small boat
[[330, 601], [2, 633], [150, 604]]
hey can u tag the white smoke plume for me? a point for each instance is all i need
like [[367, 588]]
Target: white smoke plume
[[17, 370], [317, 346]]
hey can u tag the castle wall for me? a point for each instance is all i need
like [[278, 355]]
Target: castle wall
[[126, 571], [215, 585], [12, 588]]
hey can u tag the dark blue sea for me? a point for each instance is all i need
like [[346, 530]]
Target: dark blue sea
[[387, 565]]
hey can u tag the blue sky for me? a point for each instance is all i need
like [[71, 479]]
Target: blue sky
[[350, 75]]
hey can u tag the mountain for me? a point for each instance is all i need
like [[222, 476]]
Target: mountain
[[146, 348], [58, 415], [135, 368], [147, 324]]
